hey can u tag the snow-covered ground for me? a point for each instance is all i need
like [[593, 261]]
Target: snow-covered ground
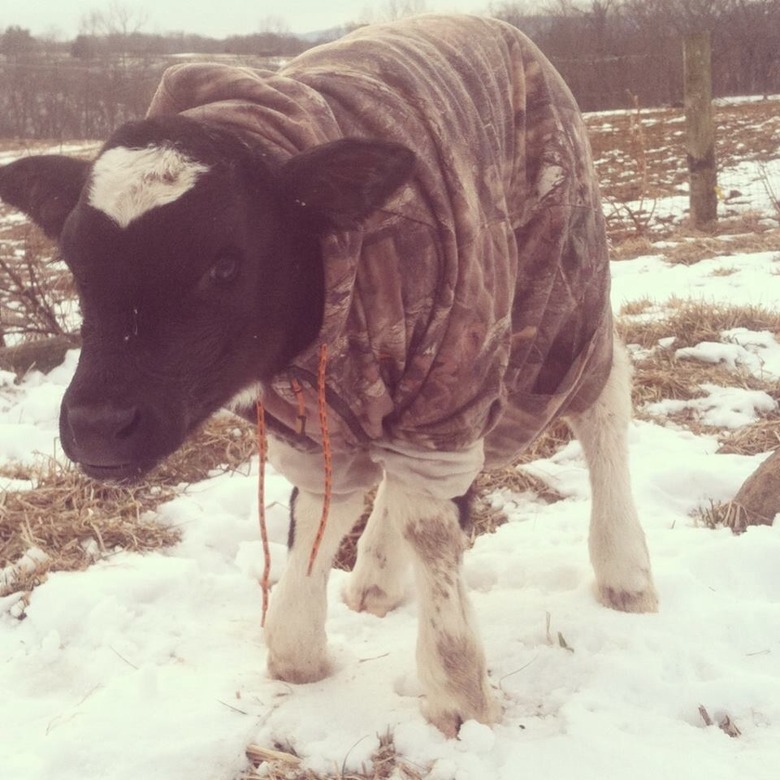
[[153, 666]]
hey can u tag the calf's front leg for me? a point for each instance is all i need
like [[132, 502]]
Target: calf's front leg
[[450, 658], [295, 623]]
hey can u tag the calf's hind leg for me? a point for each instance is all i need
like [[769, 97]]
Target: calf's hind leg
[[618, 550], [378, 581]]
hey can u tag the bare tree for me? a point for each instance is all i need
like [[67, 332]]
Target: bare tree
[[611, 51], [17, 42], [754, 32], [116, 20], [393, 9], [274, 25]]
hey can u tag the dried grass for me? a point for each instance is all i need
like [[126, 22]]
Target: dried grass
[[733, 237], [745, 234], [663, 376], [760, 436], [225, 443], [691, 322], [721, 514], [660, 375], [630, 247], [74, 521], [282, 763]]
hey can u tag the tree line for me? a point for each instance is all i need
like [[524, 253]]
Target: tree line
[[617, 53], [85, 88], [612, 53]]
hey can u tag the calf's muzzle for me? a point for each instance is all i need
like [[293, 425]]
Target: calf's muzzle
[[109, 440]]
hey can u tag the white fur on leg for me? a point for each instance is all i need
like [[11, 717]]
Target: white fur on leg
[[378, 581], [618, 550], [295, 623], [450, 659]]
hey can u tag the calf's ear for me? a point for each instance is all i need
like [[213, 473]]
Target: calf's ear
[[45, 187], [341, 183]]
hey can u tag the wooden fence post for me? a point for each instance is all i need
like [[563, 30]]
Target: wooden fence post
[[700, 131]]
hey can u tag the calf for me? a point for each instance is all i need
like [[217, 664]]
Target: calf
[[402, 227]]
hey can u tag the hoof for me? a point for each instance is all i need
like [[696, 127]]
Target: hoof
[[448, 723], [372, 599], [628, 601], [449, 720], [298, 673]]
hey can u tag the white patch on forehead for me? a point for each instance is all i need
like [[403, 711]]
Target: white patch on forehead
[[127, 183]]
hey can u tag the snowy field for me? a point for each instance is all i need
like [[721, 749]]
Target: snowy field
[[153, 666]]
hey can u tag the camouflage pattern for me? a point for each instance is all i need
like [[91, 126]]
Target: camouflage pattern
[[475, 305]]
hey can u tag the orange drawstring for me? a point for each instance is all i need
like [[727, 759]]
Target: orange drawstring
[[262, 448], [327, 454]]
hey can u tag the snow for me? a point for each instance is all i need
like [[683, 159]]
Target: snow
[[153, 666], [723, 407], [753, 280]]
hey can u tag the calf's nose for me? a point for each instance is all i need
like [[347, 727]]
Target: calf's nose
[[103, 434]]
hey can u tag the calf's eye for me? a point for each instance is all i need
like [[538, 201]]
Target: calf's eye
[[225, 270]]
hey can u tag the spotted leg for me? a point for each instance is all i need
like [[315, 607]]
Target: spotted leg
[[378, 582], [450, 658]]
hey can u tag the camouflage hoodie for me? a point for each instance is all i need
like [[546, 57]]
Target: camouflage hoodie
[[474, 308]]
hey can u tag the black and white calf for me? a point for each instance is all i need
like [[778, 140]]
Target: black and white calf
[[199, 261]]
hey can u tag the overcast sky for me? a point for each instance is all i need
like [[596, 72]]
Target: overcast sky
[[215, 18]]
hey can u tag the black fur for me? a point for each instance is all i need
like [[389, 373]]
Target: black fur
[[465, 504], [291, 529]]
